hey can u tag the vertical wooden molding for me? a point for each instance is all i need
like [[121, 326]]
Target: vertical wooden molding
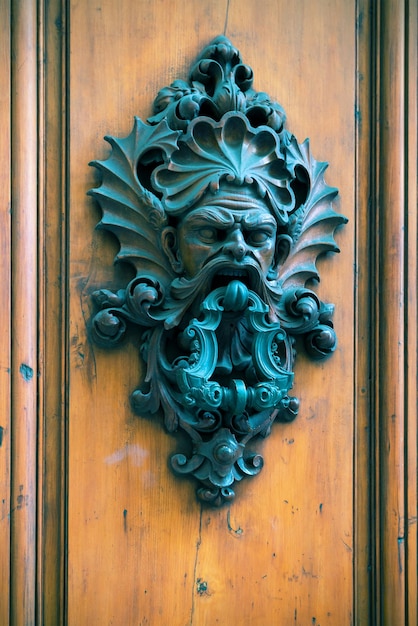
[[392, 297], [52, 315], [5, 316], [33, 236], [24, 312], [364, 233], [385, 566], [411, 133]]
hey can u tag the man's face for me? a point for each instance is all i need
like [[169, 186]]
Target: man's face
[[239, 237]]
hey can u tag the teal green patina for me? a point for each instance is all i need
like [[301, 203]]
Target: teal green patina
[[222, 214]]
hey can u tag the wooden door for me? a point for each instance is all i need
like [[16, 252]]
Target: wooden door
[[98, 530]]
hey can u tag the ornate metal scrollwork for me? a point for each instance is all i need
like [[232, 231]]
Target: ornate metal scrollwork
[[222, 214]]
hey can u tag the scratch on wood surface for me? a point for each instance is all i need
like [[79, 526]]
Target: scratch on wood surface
[[22, 501], [226, 16], [198, 542], [348, 547], [308, 573], [401, 541], [91, 362], [236, 532]]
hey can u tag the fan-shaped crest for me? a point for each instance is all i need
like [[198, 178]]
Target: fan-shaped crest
[[227, 150]]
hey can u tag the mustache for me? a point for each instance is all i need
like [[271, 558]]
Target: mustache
[[184, 291]]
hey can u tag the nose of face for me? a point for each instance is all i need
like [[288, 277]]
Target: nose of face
[[236, 245]]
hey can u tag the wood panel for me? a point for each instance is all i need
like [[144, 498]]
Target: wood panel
[[396, 341], [24, 362], [52, 346], [391, 334], [364, 249], [411, 373], [94, 527], [5, 313], [284, 551]]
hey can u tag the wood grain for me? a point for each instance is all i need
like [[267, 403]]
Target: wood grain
[[94, 527], [24, 313], [5, 313], [52, 316], [364, 238], [283, 552], [411, 374], [392, 335]]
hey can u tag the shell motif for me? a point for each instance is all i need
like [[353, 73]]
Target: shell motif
[[230, 150]]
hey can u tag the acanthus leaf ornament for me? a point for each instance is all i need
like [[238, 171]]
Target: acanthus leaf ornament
[[222, 214]]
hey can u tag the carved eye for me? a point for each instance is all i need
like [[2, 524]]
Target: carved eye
[[208, 234], [258, 237]]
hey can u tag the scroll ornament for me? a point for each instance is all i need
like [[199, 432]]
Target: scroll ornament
[[222, 214]]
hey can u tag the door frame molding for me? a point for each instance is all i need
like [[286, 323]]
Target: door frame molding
[[35, 440]]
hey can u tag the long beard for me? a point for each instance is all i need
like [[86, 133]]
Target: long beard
[[186, 294]]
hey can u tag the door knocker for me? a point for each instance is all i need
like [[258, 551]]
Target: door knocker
[[222, 214]]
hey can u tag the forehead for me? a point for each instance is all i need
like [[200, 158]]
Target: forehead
[[221, 216]]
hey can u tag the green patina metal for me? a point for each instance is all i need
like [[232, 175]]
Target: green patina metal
[[222, 214]]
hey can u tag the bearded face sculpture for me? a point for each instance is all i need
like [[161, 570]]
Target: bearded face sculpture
[[222, 214]]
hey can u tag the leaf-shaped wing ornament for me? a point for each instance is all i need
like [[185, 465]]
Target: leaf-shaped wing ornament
[[130, 211], [312, 226]]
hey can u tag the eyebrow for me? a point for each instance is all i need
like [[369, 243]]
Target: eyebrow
[[254, 221], [224, 218], [216, 217]]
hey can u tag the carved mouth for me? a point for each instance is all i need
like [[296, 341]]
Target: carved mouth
[[223, 277]]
